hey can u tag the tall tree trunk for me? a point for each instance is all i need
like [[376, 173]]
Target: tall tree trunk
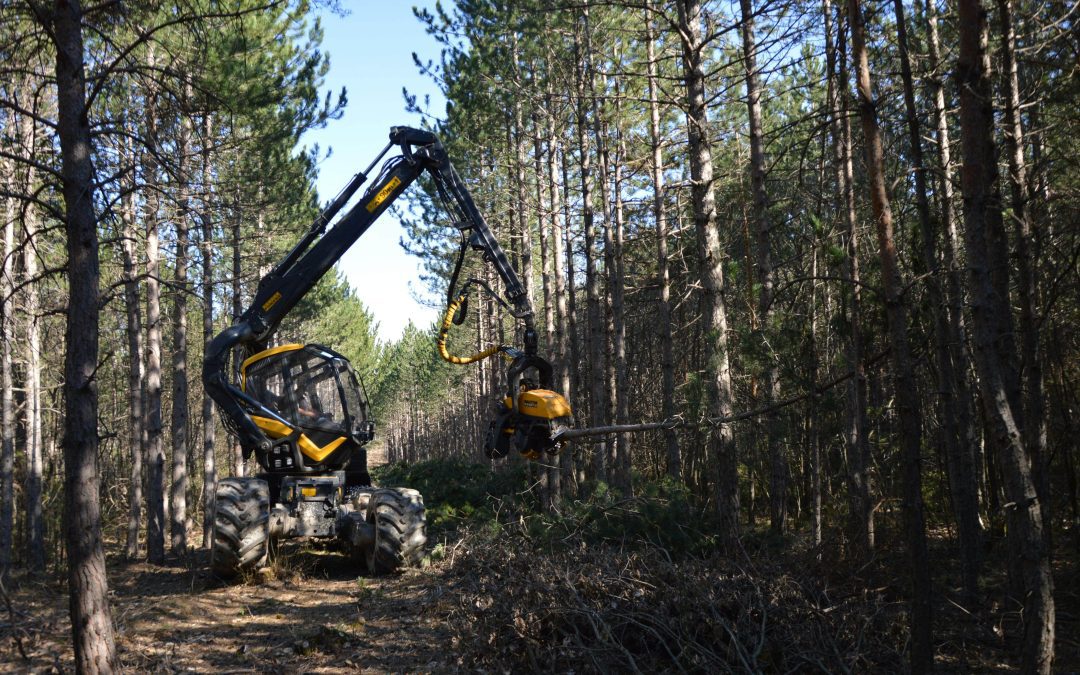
[[208, 423], [136, 419], [722, 450], [983, 228], [180, 450], [778, 475], [155, 471], [552, 474], [7, 406], [91, 618], [237, 309], [35, 520], [858, 425], [562, 312], [965, 505], [905, 388], [1034, 428], [663, 318], [966, 485], [624, 464], [594, 332]]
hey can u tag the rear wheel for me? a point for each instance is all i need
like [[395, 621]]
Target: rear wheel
[[241, 526], [397, 516]]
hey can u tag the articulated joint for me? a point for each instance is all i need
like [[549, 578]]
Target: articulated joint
[[216, 382]]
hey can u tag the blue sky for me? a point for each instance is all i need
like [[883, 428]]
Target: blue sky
[[371, 56]]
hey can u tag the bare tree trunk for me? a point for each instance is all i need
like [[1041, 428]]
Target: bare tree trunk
[[562, 318], [35, 520], [178, 491], [983, 229], [663, 319], [964, 504], [155, 474], [623, 468], [130, 247], [208, 423], [595, 332], [237, 310], [965, 485], [778, 476], [7, 407], [91, 619], [1034, 427], [722, 450], [905, 387], [552, 474], [858, 426]]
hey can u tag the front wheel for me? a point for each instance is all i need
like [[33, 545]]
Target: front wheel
[[241, 526], [397, 517]]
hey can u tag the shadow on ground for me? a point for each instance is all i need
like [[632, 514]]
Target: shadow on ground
[[317, 612]]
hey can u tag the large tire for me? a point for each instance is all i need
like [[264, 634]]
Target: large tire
[[397, 516], [241, 526]]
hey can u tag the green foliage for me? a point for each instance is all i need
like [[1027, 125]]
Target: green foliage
[[663, 514], [456, 490]]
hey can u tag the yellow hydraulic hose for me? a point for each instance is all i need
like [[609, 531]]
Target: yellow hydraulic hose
[[444, 331]]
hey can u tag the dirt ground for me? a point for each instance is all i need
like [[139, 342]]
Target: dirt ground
[[316, 614]]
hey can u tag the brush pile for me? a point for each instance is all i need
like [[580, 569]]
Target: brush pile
[[524, 602]]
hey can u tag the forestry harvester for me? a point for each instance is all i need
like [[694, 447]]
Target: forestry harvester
[[302, 411]]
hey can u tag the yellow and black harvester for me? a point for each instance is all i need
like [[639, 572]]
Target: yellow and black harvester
[[302, 412]]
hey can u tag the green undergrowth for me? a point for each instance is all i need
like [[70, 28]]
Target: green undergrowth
[[456, 493]]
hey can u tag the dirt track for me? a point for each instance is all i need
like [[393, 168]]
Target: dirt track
[[319, 616]]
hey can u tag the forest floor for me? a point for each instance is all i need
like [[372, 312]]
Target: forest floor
[[314, 614]]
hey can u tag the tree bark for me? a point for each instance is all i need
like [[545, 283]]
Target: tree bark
[[965, 485], [208, 422], [35, 520], [905, 388], [722, 450], [595, 332], [778, 475], [237, 309], [136, 418], [180, 450], [155, 472], [91, 620], [663, 319], [7, 406], [983, 230], [965, 505], [1034, 407], [860, 487]]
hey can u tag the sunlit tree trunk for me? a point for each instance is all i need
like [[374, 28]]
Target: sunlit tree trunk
[[35, 520], [155, 470], [208, 423], [180, 449], [136, 418], [663, 318], [722, 450]]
